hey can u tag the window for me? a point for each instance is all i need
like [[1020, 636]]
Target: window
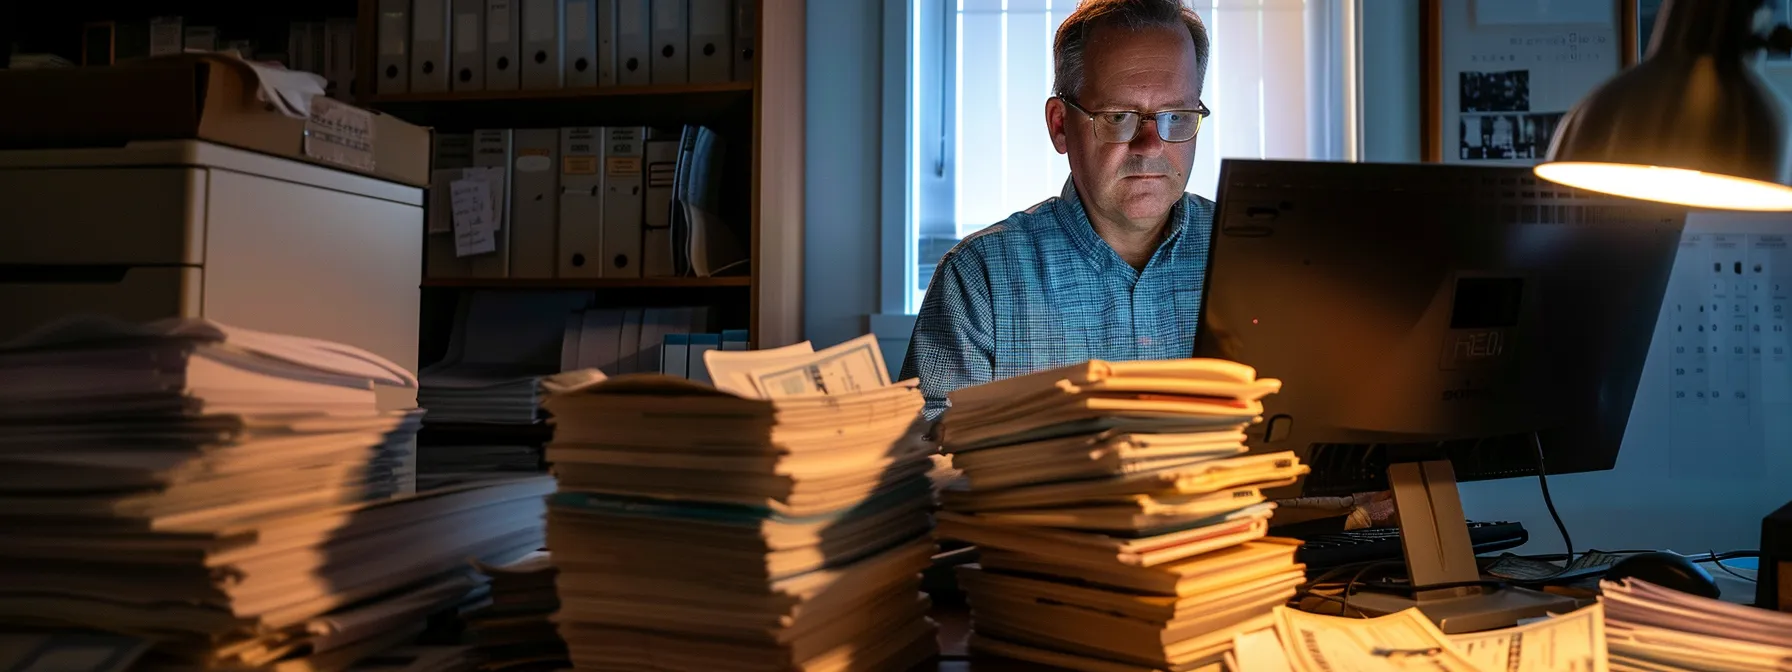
[[966, 85]]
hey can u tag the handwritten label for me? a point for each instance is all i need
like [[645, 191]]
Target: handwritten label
[[340, 134], [580, 165], [623, 165], [471, 203]]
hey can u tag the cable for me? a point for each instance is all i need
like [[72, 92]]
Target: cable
[[1740, 553], [1725, 555], [1352, 583], [1720, 565], [1342, 611], [1327, 574], [1552, 557], [1386, 584], [1307, 589], [1543, 480]]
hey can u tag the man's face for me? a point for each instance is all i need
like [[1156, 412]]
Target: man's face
[[1134, 183]]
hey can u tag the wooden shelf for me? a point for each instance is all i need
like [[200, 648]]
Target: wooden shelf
[[562, 94], [584, 106], [590, 283]]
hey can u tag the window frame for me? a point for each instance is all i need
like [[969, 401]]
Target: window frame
[[897, 246], [905, 62]]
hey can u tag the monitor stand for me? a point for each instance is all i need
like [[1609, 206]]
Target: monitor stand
[[1434, 534]]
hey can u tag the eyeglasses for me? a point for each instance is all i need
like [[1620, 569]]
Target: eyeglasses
[[1123, 125]]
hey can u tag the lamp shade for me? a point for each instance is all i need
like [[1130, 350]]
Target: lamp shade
[[1693, 123]]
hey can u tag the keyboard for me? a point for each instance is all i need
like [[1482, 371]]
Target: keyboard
[[1327, 550]]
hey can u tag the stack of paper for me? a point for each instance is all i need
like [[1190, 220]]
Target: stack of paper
[[461, 392], [780, 522], [1119, 521], [219, 490], [1649, 627], [513, 630], [483, 396], [1407, 640], [501, 345]]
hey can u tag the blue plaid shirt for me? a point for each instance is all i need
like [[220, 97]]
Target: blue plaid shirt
[[1041, 290]]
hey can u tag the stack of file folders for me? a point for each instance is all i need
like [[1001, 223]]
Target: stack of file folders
[[512, 629], [217, 490], [499, 348], [1648, 627], [699, 529], [481, 424], [1118, 520]]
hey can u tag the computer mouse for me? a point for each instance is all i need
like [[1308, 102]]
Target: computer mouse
[[1667, 570]]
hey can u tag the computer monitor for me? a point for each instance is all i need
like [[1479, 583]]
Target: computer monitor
[[1434, 323]]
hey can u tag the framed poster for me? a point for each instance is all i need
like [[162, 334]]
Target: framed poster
[[1499, 74]]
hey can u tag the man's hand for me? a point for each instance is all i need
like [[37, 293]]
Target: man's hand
[[1373, 509], [1361, 510]]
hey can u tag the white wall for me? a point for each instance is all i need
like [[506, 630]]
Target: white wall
[[1391, 80], [841, 203]]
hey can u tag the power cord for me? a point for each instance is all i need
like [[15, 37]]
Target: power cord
[[1543, 481], [1358, 577], [1390, 584], [1324, 582], [1718, 559]]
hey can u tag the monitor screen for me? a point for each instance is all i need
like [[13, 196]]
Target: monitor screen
[[1414, 311]]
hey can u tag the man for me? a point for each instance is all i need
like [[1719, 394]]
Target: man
[[1112, 268]]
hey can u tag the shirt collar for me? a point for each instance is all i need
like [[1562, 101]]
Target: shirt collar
[[1075, 220]]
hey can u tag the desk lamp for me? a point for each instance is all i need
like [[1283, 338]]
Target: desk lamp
[[1693, 123]]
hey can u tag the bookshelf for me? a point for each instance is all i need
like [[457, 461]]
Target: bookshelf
[[616, 92], [760, 120], [590, 283], [711, 104]]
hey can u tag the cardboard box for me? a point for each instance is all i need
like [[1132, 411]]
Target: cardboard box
[[201, 96]]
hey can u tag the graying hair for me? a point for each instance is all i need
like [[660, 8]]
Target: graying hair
[[1073, 36]]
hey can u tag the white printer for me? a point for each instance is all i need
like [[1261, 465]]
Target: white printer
[[166, 228]]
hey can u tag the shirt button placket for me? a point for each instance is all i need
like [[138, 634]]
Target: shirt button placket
[[1142, 317]]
